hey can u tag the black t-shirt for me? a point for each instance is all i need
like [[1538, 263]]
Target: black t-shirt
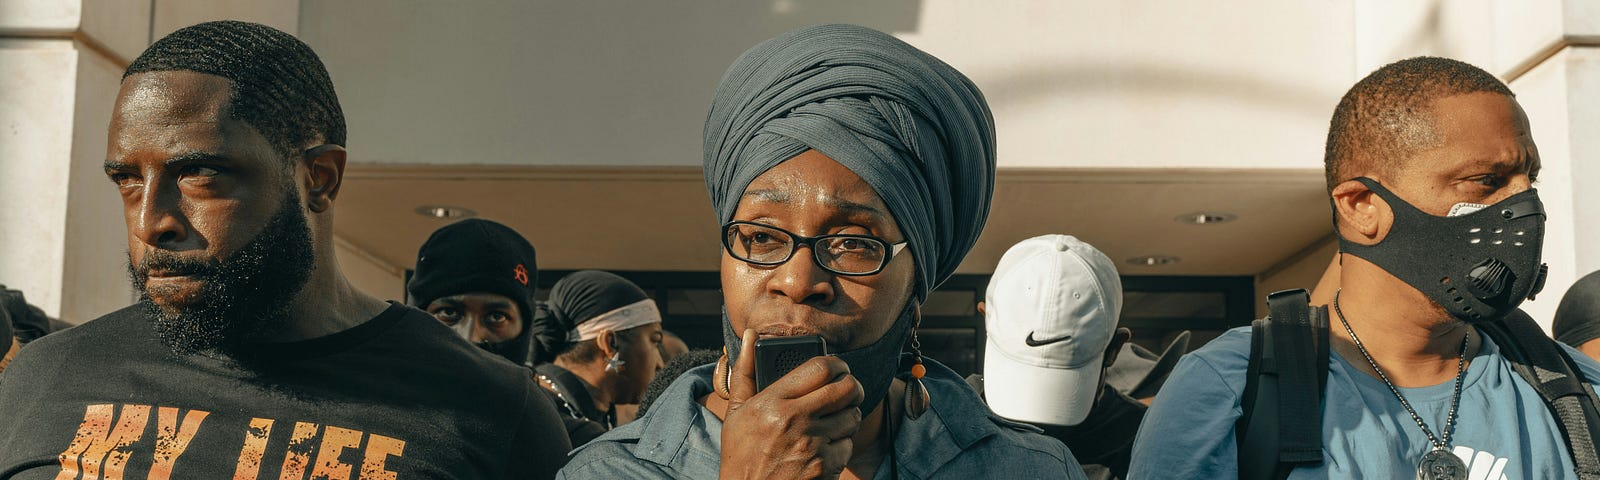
[[397, 397], [1103, 443]]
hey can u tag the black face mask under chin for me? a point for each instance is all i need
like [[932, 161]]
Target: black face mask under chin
[[874, 365], [517, 350], [1478, 265]]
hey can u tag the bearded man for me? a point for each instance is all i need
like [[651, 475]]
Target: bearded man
[[248, 353]]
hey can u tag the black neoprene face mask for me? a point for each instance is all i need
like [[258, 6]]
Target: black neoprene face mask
[[1479, 266]]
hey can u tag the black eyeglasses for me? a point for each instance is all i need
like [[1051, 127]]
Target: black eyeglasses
[[843, 254]]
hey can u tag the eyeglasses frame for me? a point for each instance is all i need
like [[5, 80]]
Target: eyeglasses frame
[[811, 243]]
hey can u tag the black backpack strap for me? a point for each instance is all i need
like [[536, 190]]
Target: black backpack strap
[[1553, 374], [1281, 425]]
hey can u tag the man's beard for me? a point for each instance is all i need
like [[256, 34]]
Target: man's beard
[[241, 297]]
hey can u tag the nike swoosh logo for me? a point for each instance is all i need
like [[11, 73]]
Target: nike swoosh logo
[[1035, 343]]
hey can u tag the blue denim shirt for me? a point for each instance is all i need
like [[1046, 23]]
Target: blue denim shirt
[[959, 438]]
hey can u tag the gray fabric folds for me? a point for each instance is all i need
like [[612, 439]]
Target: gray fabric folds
[[915, 129]]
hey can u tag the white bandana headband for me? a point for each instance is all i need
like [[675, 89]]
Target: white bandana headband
[[643, 312]]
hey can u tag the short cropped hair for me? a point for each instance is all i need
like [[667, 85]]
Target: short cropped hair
[[1388, 116], [280, 87]]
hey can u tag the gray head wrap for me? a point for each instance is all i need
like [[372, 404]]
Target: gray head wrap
[[912, 127]]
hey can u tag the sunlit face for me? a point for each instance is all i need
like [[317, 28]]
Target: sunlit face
[[812, 195], [479, 317], [218, 240], [641, 349], [1485, 154], [196, 184]]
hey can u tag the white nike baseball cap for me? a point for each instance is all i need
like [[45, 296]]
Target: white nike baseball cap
[[1051, 310]]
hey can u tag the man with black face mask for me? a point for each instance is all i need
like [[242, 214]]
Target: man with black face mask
[[1430, 165], [248, 354]]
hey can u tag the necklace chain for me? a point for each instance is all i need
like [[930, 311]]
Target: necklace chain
[[565, 402], [1455, 398]]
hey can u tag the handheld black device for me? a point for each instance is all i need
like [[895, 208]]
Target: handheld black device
[[776, 356]]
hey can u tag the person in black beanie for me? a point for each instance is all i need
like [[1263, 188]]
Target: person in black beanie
[[605, 336], [478, 277]]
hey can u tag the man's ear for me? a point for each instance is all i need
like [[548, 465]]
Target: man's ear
[[608, 342], [1362, 216], [325, 168], [1118, 337]]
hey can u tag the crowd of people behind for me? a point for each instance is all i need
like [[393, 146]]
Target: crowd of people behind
[[851, 174]]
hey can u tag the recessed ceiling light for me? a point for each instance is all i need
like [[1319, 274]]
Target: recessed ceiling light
[[1153, 260], [1205, 218], [444, 211]]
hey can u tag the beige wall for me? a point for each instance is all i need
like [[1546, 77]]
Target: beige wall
[[368, 272], [1076, 83]]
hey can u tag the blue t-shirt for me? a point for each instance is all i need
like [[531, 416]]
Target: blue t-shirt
[[1503, 429]]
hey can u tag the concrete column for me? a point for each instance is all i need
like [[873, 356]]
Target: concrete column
[[1559, 95]]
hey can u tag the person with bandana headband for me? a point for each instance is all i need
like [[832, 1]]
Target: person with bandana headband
[[1430, 167], [478, 277], [850, 173], [609, 347]]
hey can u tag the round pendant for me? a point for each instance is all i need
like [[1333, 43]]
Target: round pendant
[[1441, 464]]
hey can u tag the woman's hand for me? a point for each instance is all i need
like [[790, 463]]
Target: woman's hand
[[799, 427]]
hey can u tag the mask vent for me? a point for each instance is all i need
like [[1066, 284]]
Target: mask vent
[[1489, 279]]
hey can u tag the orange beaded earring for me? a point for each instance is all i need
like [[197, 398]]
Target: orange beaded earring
[[917, 400]]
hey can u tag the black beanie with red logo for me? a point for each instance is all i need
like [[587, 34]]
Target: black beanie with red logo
[[475, 256]]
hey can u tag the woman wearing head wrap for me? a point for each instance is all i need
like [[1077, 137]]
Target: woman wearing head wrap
[[478, 278], [851, 173], [609, 347]]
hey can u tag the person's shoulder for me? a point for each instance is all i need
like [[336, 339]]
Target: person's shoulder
[[1219, 366], [1586, 364], [665, 442], [118, 328], [986, 441], [1024, 437], [420, 337], [1015, 449], [611, 456], [1230, 349], [615, 454]]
